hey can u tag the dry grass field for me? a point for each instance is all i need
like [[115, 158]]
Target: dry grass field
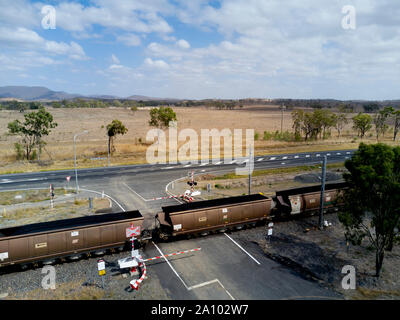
[[130, 150]]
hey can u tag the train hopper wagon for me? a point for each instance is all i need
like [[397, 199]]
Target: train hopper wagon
[[218, 214], [307, 199], [65, 238]]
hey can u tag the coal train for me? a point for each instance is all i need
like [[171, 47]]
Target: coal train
[[72, 238]]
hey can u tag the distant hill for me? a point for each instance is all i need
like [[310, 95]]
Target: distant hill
[[145, 98], [43, 93], [34, 93]]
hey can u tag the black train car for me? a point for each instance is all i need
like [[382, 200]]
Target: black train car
[[218, 214], [69, 237], [306, 199]]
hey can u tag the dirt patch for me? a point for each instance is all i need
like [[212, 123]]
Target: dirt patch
[[320, 256], [316, 177]]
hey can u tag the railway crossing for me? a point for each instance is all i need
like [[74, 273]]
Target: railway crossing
[[136, 260]]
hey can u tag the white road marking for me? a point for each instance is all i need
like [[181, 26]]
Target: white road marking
[[5, 295], [283, 163], [168, 168], [338, 153], [172, 268], [188, 165], [261, 159], [284, 158], [273, 158], [348, 152], [203, 170], [106, 195], [183, 282], [170, 193], [134, 192], [204, 164], [296, 157], [307, 155], [233, 161], [318, 155], [328, 154], [218, 163], [242, 249], [210, 282], [15, 181]]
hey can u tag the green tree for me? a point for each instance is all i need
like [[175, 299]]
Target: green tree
[[36, 125], [56, 104], [117, 103], [362, 123], [371, 201], [298, 118], [339, 120], [113, 129], [396, 118], [161, 117], [35, 105], [380, 120]]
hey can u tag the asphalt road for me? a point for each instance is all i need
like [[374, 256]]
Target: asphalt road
[[153, 178], [221, 270]]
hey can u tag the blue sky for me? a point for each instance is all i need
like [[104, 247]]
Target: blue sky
[[205, 49]]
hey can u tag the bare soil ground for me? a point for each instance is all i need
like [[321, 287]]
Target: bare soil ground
[[59, 154], [64, 207], [320, 256]]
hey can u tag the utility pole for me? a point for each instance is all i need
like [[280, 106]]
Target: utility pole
[[321, 210], [76, 171], [282, 108], [250, 172], [108, 156]]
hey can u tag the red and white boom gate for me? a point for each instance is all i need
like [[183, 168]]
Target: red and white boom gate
[[188, 195], [136, 260]]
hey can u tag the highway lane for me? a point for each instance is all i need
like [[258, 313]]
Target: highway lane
[[133, 187], [163, 172]]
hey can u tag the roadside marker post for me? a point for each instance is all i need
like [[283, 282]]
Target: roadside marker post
[[51, 196], [101, 267], [270, 229]]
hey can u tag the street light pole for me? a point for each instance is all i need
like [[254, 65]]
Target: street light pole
[[321, 209], [76, 171]]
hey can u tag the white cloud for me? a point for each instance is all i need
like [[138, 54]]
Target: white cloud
[[115, 59], [136, 16], [29, 39], [129, 39], [183, 44], [159, 64]]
